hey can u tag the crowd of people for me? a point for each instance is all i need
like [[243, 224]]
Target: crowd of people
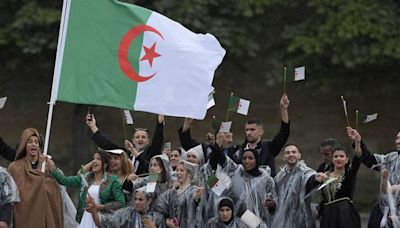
[[199, 184]]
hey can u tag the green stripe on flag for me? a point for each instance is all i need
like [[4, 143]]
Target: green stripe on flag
[[233, 103], [90, 72]]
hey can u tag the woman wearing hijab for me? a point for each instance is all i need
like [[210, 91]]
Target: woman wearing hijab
[[252, 185], [98, 184], [41, 202], [137, 215], [159, 172], [178, 205], [226, 217]]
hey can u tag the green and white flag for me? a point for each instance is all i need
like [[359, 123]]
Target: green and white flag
[[239, 105], [121, 55]]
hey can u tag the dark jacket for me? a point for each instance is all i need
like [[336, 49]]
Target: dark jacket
[[155, 148], [188, 142], [268, 149], [6, 151]]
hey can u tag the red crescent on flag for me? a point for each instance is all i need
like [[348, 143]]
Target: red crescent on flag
[[123, 50]]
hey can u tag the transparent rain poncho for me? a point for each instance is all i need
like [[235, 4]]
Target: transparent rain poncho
[[8, 189], [128, 217], [216, 222], [160, 187], [390, 202], [294, 209], [209, 199], [251, 191], [178, 203]]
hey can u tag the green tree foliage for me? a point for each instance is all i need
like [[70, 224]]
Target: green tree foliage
[[350, 33], [345, 33]]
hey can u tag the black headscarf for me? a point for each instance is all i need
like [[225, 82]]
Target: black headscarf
[[254, 172], [226, 202]]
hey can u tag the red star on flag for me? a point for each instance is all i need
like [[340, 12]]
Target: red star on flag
[[150, 54]]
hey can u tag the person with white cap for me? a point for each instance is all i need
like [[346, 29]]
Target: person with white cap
[[140, 150]]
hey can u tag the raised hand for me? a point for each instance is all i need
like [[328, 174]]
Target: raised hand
[[284, 102], [187, 124], [129, 146], [91, 122], [197, 194], [320, 177], [353, 134]]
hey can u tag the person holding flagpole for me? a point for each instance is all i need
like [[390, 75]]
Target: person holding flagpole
[[336, 208], [41, 201], [104, 188], [267, 149]]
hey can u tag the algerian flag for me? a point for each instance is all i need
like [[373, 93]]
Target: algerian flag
[[300, 73], [121, 55], [225, 127], [239, 105]]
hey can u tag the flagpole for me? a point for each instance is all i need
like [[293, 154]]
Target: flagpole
[[57, 70], [284, 79], [345, 110], [123, 124], [227, 111], [356, 120]]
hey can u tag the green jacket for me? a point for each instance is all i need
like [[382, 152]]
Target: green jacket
[[111, 195]]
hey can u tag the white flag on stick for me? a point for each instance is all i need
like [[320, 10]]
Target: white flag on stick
[[371, 117], [128, 117], [2, 102], [225, 127], [300, 73]]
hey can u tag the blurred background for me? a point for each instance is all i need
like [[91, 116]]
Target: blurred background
[[349, 48]]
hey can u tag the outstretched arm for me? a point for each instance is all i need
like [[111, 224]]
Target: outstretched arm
[[185, 137], [366, 156], [6, 151], [284, 104], [158, 138]]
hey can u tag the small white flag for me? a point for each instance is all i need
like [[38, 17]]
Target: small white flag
[[128, 117], [225, 127], [151, 187], [371, 117], [2, 102], [250, 219], [243, 107], [211, 101], [300, 73], [219, 188]]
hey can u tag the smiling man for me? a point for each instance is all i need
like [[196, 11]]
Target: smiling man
[[293, 183], [141, 149], [267, 149]]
